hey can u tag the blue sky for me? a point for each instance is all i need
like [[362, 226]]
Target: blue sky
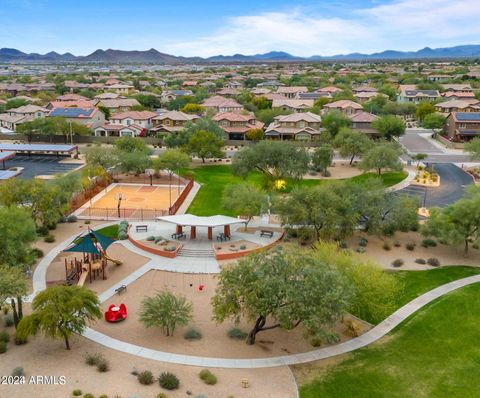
[[211, 27]]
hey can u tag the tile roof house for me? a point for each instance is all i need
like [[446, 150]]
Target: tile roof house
[[458, 88], [107, 95], [119, 130], [117, 104], [11, 122], [170, 122], [330, 90], [463, 126], [297, 126], [30, 112], [236, 125], [143, 119], [71, 104], [221, 104], [455, 105], [71, 97], [121, 88], [170, 95], [229, 92], [291, 91], [259, 91], [345, 106], [416, 96], [458, 95], [89, 117], [363, 121], [295, 105]]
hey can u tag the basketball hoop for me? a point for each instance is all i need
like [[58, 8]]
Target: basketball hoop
[[150, 173]]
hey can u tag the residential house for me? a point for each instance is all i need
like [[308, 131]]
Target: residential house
[[270, 84], [363, 121], [171, 122], [170, 95], [458, 95], [119, 130], [221, 104], [294, 105], [30, 112], [118, 104], [89, 117], [297, 126], [365, 96], [438, 78], [70, 104], [71, 97], [121, 88], [11, 122], [229, 92], [458, 88], [328, 92], [107, 95], [347, 107], [291, 91], [469, 105], [463, 126], [143, 119], [236, 125], [417, 96], [260, 92]]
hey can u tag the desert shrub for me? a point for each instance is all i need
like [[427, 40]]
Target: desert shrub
[[4, 336], [86, 222], [168, 381], [397, 263], [192, 334], [243, 247], [6, 309], [360, 249], [8, 320], [122, 235], [49, 238], [420, 261], [434, 262], [134, 372], [88, 395], [42, 231], [38, 253], [429, 243], [353, 328], [18, 371], [72, 218], [170, 248], [386, 246], [123, 223], [363, 242], [77, 393], [146, 378], [208, 377], [343, 245], [397, 244], [93, 359], [410, 246], [236, 333], [103, 365], [162, 395], [19, 340], [62, 220], [3, 347], [151, 238]]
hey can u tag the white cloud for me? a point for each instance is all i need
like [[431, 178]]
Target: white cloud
[[399, 25]]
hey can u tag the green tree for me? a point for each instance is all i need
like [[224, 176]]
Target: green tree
[[322, 158], [266, 116], [245, 199], [255, 134], [389, 126], [105, 110], [423, 109], [381, 156], [13, 285], [15, 103], [418, 157], [473, 148], [458, 223], [351, 143], [134, 162], [204, 124], [101, 156], [148, 101], [205, 144], [60, 311], [274, 159], [334, 120], [194, 109], [171, 160], [132, 144], [433, 121], [167, 311], [284, 288]]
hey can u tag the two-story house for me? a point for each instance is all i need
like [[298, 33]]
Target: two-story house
[[219, 104], [30, 112], [142, 119], [292, 91], [118, 104], [293, 105], [363, 121], [297, 126], [347, 107], [236, 125], [463, 126], [455, 105], [417, 96], [89, 117], [171, 122]]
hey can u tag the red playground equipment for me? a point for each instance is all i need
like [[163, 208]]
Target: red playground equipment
[[116, 314]]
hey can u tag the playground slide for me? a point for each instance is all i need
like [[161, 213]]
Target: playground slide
[[116, 262], [83, 278]]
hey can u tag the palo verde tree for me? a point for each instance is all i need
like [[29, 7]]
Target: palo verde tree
[[13, 286], [101, 156], [473, 148], [322, 158], [380, 157], [245, 199], [389, 126], [458, 223], [334, 121], [434, 122], [351, 143], [274, 159], [285, 288], [171, 160], [60, 311], [167, 311], [205, 144], [181, 138]]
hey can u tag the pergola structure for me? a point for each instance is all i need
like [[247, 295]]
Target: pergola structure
[[189, 220]]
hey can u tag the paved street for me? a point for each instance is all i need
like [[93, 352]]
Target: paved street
[[453, 181]]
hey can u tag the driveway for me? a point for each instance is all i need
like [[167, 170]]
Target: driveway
[[453, 181]]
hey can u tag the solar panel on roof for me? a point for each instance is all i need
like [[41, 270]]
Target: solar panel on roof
[[468, 116], [71, 112]]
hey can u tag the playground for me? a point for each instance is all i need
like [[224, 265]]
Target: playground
[[132, 201]]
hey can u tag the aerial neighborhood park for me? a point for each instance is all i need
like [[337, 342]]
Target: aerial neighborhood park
[[239, 227]]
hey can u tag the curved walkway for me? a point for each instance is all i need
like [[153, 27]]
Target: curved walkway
[[371, 336]]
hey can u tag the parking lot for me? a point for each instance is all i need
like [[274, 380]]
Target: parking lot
[[39, 165]]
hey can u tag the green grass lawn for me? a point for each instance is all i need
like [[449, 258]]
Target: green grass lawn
[[208, 200], [435, 353]]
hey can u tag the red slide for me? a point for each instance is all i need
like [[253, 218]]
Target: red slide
[[116, 314]]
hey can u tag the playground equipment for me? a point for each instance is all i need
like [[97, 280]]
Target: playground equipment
[[116, 314], [93, 246]]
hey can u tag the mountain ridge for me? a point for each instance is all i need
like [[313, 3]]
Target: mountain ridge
[[154, 56]]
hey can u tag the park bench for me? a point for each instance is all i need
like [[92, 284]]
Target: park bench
[[141, 228], [121, 289], [180, 235], [264, 232], [222, 237]]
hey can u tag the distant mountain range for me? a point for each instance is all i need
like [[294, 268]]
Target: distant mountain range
[[155, 57]]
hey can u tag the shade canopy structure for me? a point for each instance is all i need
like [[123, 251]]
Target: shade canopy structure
[[38, 148], [88, 243], [7, 174], [192, 221], [5, 156]]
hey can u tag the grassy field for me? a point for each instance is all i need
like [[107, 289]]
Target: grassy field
[[435, 353], [214, 179]]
